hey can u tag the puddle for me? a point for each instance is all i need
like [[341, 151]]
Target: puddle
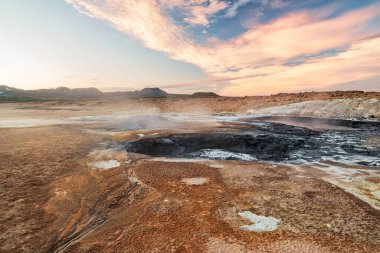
[[195, 180], [59, 192], [216, 166], [105, 165], [260, 223], [222, 155]]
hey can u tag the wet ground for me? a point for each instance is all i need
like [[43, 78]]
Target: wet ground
[[258, 140], [347, 151], [177, 183]]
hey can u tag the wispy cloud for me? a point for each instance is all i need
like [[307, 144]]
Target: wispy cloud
[[253, 62], [359, 62], [200, 14], [232, 11]]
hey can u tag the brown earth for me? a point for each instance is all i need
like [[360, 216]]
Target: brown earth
[[194, 105], [52, 199]]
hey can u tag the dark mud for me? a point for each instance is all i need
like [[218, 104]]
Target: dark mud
[[261, 146], [269, 142]]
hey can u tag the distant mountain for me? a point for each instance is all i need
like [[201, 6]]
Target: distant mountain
[[144, 93], [151, 93], [204, 95], [57, 93], [6, 91], [64, 93]]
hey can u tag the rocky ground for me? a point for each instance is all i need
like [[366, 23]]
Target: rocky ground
[[219, 105], [65, 186], [338, 109]]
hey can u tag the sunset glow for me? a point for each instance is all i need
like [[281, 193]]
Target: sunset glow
[[232, 47]]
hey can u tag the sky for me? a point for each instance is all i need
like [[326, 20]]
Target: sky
[[232, 47]]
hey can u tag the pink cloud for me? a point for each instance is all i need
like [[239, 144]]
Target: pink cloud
[[296, 34], [361, 61], [199, 14], [258, 55]]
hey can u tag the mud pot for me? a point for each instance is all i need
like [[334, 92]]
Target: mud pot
[[175, 183], [260, 140]]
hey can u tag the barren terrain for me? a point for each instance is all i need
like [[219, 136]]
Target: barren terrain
[[68, 182]]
